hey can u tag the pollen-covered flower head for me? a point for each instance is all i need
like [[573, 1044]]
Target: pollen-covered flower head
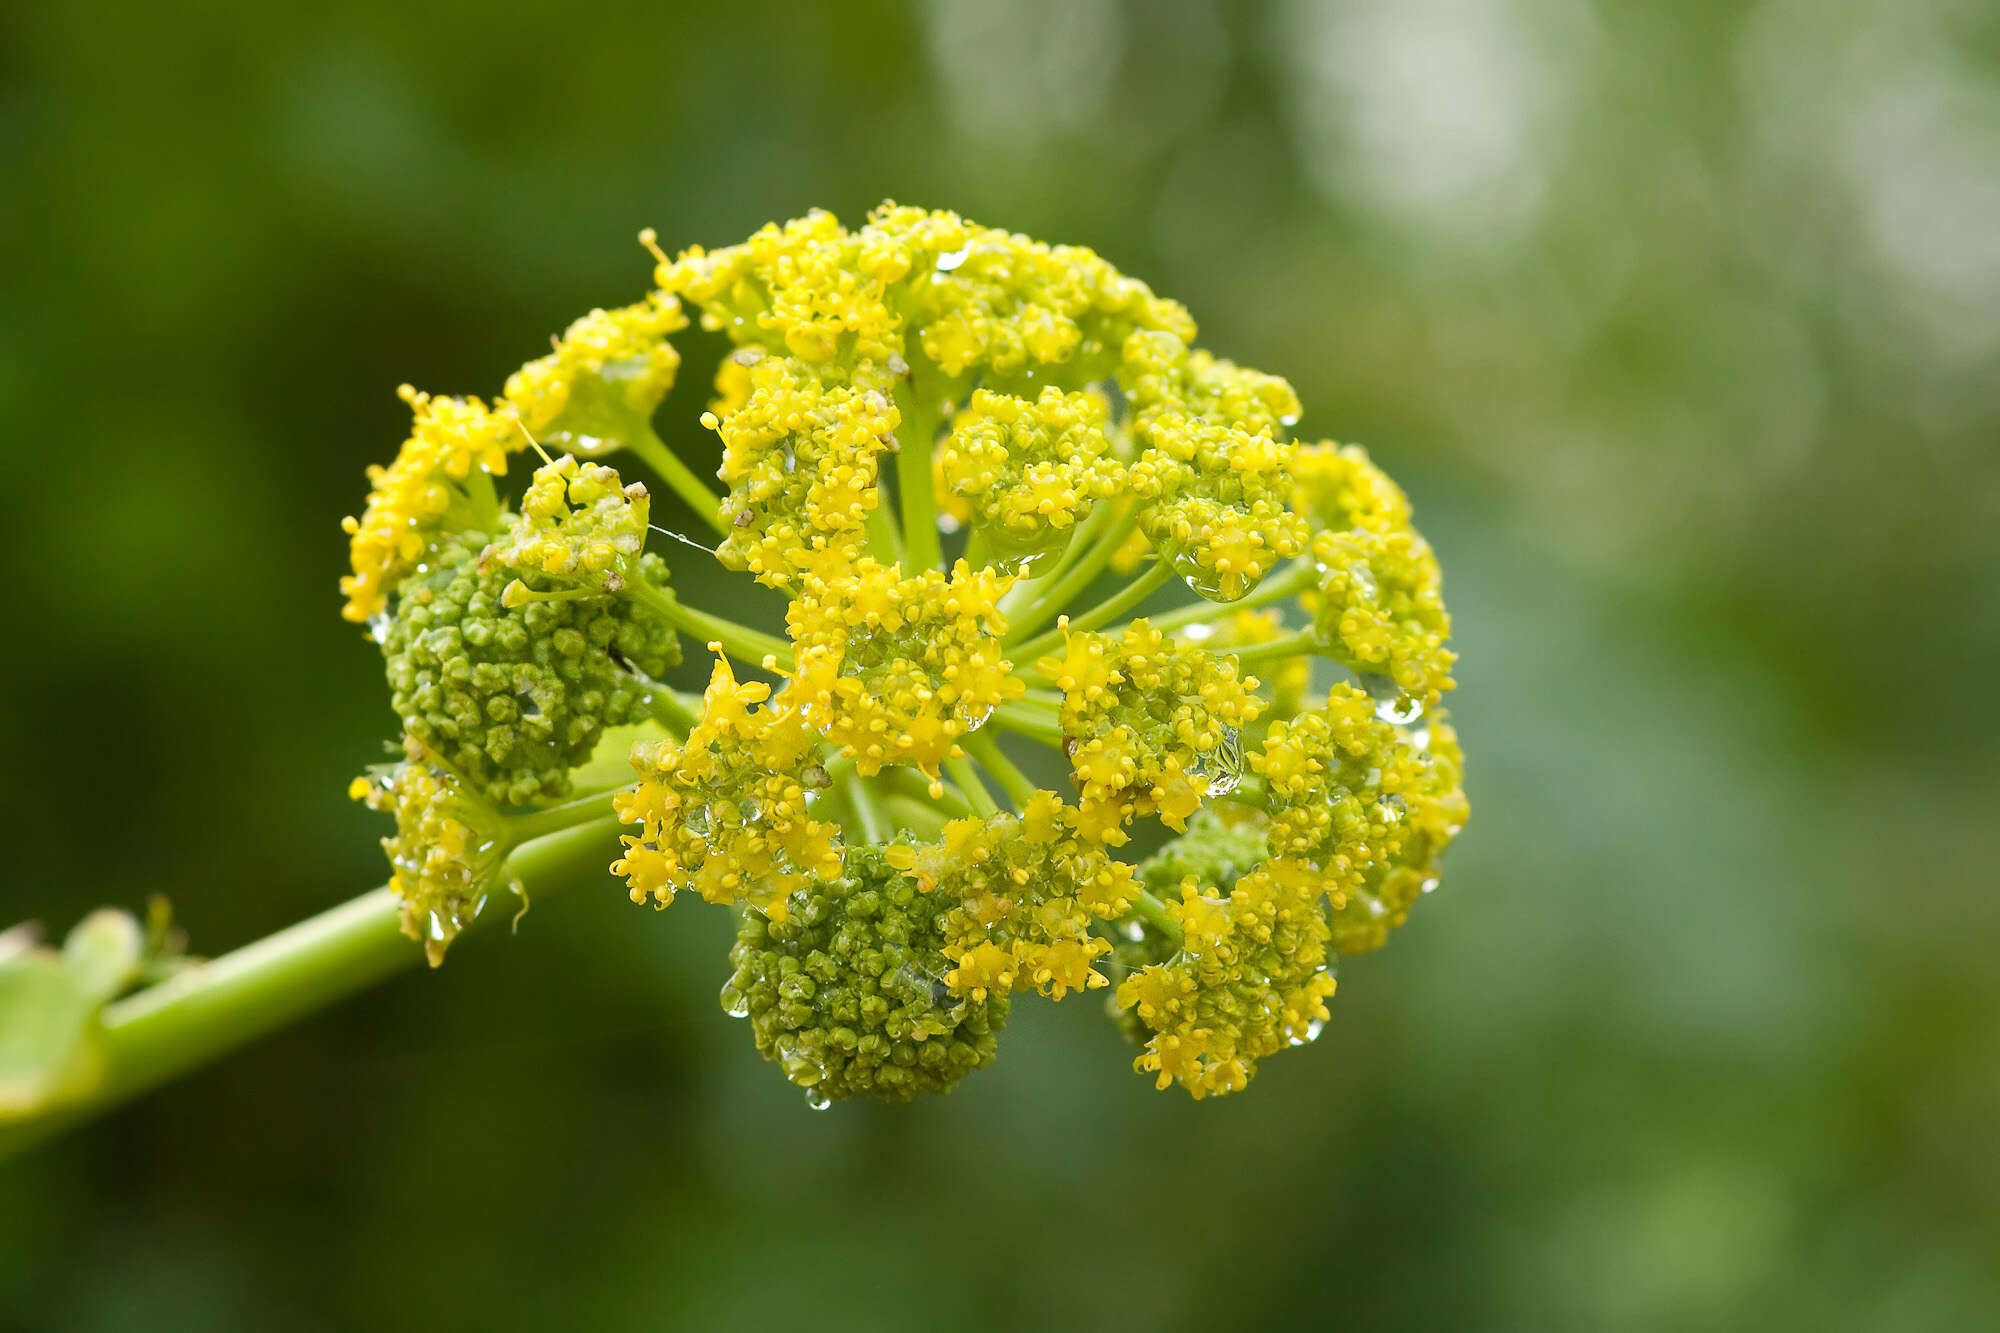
[[895, 670], [448, 850], [1024, 471], [1045, 659]]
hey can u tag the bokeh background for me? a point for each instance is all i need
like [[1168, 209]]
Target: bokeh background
[[1681, 323]]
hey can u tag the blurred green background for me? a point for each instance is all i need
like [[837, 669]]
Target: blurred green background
[[1680, 323]]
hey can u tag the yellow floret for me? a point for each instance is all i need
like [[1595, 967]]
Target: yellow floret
[[453, 443], [1155, 723], [896, 670], [598, 390], [725, 813], [799, 456]]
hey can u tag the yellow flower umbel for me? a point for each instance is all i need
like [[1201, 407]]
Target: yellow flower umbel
[[897, 670], [1087, 677]]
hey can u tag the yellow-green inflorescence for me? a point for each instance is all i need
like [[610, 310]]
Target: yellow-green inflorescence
[[1090, 677]]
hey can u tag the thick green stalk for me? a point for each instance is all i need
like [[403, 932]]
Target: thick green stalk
[[985, 751], [1070, 583], [867, 803], [1293, 578], [739, 641], [921, 548], [1082, 544], [1041, 723], [681, 478], [1289, 645], [967, 777], [212, 1008], [1133, 593]]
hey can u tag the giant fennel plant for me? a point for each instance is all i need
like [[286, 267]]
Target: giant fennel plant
[[991, 753]]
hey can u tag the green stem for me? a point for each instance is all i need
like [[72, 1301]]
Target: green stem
[[1154, 912], [907, 782], [1038, 723], [967, 777], [738, 641], [919, 816], [212, 1008], [1296, 577], [1081, 542], [706, 504], [676, 711], [914, 493], [1067, 584], [885, 543], [483, 498], [541, 823], [986, 751], [867, 803], [1133, 593], [1288, 645]]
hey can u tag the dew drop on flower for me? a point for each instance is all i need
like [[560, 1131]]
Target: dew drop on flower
[[735, 1003], [1428, 885], [817, 1100], [1205, 583], [378, 627], [951, 259], [1134, 931], [1224, 764], [1391, 703]]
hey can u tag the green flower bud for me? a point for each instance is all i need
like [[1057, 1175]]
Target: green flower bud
[[513, 691], [847, 994]]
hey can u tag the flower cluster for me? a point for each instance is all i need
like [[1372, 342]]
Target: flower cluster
[[724, 812], [1024, 472], [1154, 725], [1088, 676], [447, 850], [898, 669]]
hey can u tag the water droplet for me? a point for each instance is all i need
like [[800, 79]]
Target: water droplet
[[791, 459], [1198, 632], [1429, 885], [1204, 582], [817, 1100], [1134, 931], [378, 627], [1420, 738], [437, 925], [951, 259], [1391, 703], [1224, 764], [947, 524], [735, 1003], [1289, 420]]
